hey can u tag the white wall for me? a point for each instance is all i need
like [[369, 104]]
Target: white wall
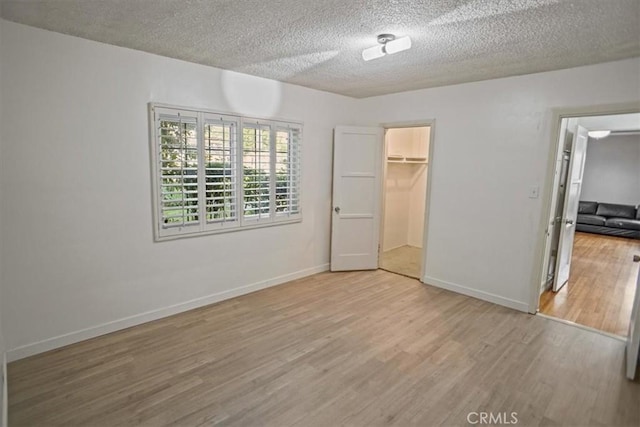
[[417, 199], [492, 142], [612, 170], [396, 202], [78, 256], [418, 195]]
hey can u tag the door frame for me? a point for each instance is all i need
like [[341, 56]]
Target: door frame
[[431, 123], [557, 114]]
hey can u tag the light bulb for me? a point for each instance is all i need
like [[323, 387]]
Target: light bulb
[[373, 53], [397, 45], [597, 134]]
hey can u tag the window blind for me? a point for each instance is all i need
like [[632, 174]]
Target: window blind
[[287, 170], [256, 171], [215, 172], [178, 147], [220, 170]]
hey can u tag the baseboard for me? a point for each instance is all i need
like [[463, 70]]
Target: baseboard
[[401, 246], [4, 415], [127, 322], [485, 296], [547, 286]]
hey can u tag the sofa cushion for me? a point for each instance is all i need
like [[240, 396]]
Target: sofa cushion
[[629, 224], [618, 211], [638, 212], [591, 219], [587, 208]]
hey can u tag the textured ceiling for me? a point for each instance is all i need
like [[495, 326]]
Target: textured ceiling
[[615, 122], [318, 43]]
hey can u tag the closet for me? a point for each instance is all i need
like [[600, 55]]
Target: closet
[[405, 189]]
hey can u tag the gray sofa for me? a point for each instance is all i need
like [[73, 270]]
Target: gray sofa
[[609, 219]]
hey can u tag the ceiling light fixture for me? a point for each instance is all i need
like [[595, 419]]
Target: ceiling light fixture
[[597, 134], [388, 45]]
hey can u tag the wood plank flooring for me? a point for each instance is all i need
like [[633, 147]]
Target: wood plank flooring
[[601, 286], [405, 260], [358, 349]]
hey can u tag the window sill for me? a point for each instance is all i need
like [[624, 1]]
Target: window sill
[[249, 226]]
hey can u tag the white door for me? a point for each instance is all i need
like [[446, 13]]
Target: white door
[[357, 184], [570, 212], [633, 340]]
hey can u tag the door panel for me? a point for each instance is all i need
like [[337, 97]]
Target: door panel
[[570, 211], [357, 172], [361, 194]]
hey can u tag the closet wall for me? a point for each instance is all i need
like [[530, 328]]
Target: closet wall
[[405, 187]]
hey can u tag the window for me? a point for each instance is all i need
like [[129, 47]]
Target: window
[[287, 165], [256, 170], [215, 172], [220, 169]]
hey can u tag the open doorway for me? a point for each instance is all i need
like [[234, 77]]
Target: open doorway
[[589, 273], [406, 153]]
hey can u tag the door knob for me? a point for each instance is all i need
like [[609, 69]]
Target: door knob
[[636, 258], [337, 209], [569, 222]]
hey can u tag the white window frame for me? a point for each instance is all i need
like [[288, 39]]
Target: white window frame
[[239, 222], [294, 149]]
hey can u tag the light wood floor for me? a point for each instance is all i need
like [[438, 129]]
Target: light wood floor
[[358, 349], [405, 260], [601, 286]]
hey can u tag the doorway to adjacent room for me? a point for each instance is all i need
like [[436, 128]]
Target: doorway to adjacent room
[[406, 152], [593, 233]]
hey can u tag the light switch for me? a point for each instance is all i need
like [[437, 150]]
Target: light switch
[[534, 192]]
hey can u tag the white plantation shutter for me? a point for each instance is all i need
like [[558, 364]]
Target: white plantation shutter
[[220, 147], [215, 172], [257, 171], [287, 169], [178, 168], [296, 162]]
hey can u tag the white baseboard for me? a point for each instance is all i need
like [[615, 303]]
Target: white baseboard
[[545, 287], [392, 248], [401, 246], [485, 296], [4, 414], [127, 322]]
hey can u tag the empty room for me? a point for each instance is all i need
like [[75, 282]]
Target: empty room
[[310, 213]]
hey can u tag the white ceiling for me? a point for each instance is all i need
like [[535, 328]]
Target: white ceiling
[[318, 43], [613, 122]]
